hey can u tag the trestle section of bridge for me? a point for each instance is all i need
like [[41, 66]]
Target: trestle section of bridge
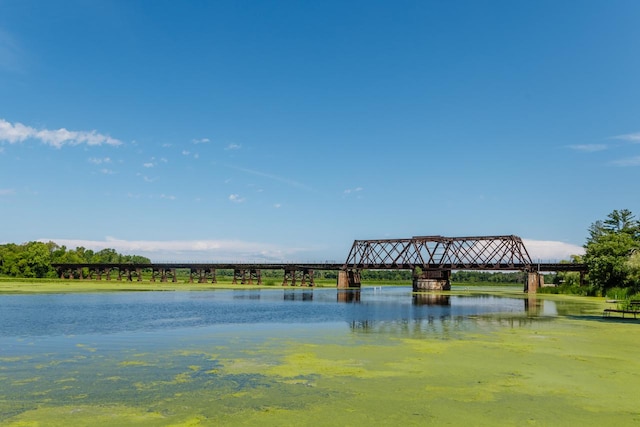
[[244, 274], [432, 258]]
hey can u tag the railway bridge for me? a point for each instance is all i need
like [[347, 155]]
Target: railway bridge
[[430, 258]]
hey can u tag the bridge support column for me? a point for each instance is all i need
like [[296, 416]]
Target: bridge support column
[[240, 274], [535, 280], [255, 274], [289, 274], [307, 275], [349, 279], [432, 280]]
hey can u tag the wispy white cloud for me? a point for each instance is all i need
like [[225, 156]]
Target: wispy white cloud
[[7, 192], [166, 145], [549, 251], [107, 171], [192, 250], [631, 137], [98, 161], [233, 147], [589, 148], [186, 152], [154, 162], [167, 197], [10, 52], [287, 181], [353, 190], [18, 133], [235, 198], [632, 161], [277, 206], [201, 141]]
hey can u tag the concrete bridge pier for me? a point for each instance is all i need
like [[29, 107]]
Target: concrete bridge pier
[[349, 279], [432, 280], [534, 281]]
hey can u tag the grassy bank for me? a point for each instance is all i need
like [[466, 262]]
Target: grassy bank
[[17, 285], [13, 285]]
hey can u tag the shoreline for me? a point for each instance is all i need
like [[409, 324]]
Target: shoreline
[[13, 286]]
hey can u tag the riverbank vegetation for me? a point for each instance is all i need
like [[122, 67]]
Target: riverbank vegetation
[[34, 259]]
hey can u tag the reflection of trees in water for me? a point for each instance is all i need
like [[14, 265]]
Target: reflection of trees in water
[[298, 295]]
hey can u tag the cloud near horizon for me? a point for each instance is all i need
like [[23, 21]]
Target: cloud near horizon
[[547, 250], [189, 250], [18, 133]]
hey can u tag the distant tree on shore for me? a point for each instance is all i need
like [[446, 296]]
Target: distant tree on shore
[[611, 252], [34, 259]]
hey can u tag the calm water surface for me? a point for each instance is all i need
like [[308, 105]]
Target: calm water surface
[[226, 357], [123, 318]]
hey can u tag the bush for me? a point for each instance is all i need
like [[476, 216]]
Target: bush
[[619, 293], [569, 289]]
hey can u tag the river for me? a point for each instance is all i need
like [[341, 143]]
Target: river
[[379, 356]]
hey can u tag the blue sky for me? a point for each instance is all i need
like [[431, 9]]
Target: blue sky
[[250, 130]]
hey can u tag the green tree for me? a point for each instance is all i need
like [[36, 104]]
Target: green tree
[[622, 221], [38, 258], [608, 249], [633, 264]]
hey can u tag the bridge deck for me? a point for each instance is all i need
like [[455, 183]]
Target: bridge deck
[[546, 267]]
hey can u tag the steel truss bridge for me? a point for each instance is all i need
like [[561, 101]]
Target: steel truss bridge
[[429, 257]]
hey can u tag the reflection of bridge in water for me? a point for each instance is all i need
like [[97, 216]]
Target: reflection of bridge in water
[[430, 258], [431, 312]]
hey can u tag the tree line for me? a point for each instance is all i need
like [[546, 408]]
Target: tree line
[[34, 259]]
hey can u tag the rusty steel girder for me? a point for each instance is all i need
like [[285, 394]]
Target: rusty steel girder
[[440, 253]]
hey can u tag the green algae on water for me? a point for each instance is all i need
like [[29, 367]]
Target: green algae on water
[[574, 370]]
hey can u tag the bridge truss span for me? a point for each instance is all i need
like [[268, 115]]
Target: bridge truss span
[[441, 253]]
